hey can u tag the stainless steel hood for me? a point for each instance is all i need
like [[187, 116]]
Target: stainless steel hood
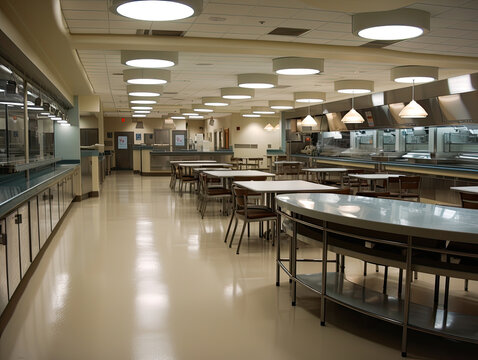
[[452, 101]]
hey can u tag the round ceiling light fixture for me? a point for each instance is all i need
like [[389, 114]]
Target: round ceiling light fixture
[[309, 96], [188, 112], [353, 86], [141, 107], [157, 10], [248, 114], [214, 101], [397, 24], [281, 104], [149, 59], [262, 110], [142, 100], [144, 90], [146, 76], [257, 81], [200, 108], [297, 65], [414, 74], [237, 93]]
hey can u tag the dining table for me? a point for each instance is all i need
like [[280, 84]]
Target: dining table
[[373, 178], [321, 173]]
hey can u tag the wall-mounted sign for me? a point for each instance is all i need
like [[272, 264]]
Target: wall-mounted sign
[[123, 142], [179, 140], [369, 117], [138, 137]]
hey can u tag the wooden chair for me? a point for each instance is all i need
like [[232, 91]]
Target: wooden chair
[[207, 193], [408, 188], [185, 179], [253, 197], [247, 213], [354, 182], [469, 201]]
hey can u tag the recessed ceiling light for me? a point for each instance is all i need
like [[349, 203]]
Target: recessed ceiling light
[[237, 93], [142, 111], [157, 10], [142, 107], [214, 101], [309, 97], [262, 110], [297, 65], [414, 74], [201, 108], [248, 114], [178, 117], [197, 117], [257, 81], [139, 115], [397, 24], [281, 104], [353, 86], [144, 90], [149, 59], [146, 76]]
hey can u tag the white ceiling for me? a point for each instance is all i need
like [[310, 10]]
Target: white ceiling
[[454, 32]]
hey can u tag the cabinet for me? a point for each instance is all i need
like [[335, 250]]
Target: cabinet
[[3, 267], [34, 227], [23, 221], [54, 206], [13, 253], [44, 216]]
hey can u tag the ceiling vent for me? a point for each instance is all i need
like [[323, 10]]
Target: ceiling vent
[[377, 44], [285, 31], [160, 32]]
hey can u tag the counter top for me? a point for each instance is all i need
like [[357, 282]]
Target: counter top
[[187, 152], [16, 189], [392, 216]]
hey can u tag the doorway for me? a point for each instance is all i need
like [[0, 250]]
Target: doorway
[[124, 150]]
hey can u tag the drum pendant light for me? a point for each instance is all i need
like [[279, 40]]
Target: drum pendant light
[[237, 93], [214, 101], [309, 96], [353, 86], [414, 74], [397, 24], [257, 81], [297, 66], [157, 10], [146, 76], [144, 90], [413, 109], [149, 59], [281, 104]]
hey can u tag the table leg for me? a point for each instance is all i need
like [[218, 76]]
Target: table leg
[[278, 251]]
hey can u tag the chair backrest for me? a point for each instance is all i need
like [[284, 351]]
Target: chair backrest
[[409, 182], [240, 197], [356, 171], [469, 201]]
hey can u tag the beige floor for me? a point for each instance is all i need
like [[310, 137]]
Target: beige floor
[[136, 274]]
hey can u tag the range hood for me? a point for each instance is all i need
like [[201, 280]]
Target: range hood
[[448, 102]]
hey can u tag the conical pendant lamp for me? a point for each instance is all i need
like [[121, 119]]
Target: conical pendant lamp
[[353, 117], [413, 109], [309, 120]]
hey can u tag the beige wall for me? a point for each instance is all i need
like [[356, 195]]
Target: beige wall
[[88, 122]]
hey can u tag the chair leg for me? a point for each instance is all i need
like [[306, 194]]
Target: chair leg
[[233, 232], [436, 296], [447, 290], [364, 268], [248, 230], [376, 268], [337, 262], [342, 264], [204, 209], [466, 284], [416, 275], [400, 280], [229, 226], [240, 239], [385, 278]]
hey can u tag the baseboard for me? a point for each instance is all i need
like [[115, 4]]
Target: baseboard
[[164, 173]]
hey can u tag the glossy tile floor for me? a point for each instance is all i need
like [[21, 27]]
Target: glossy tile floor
[[136, 274]]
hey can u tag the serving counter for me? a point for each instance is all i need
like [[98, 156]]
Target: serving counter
[[148, 161], [436, 179], [405, 235]]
